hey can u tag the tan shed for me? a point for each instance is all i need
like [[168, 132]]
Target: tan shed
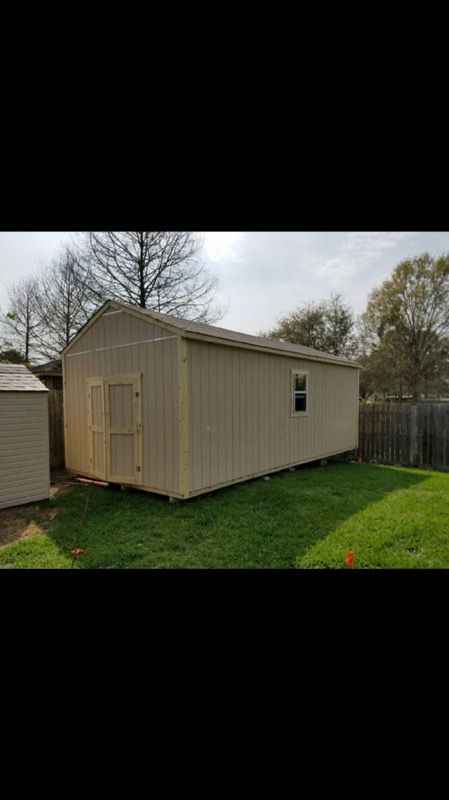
[[181, 408], [24, 449]]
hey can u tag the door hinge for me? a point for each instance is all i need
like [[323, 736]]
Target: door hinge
[[137, 394], [137, 469]]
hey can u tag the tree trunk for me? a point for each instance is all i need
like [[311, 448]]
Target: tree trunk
[[142, 274]]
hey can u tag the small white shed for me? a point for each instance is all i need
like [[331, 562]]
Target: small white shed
[[24, 443]]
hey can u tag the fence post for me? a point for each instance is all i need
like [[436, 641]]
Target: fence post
[[414, 454], [56, 428]]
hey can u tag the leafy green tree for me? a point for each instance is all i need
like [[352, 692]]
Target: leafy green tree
[[328, 326], [9, 354], [405, 329]]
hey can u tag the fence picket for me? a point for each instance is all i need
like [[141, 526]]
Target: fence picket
[[412, 434]]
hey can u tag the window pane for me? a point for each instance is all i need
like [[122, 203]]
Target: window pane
[[300, 383], [300, 402]]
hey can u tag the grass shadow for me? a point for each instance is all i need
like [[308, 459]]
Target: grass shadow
[[268, 524]]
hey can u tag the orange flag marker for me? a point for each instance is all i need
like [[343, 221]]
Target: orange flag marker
[[350, 559]]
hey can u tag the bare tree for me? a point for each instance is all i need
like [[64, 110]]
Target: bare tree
[[22, 322], [158, 270], [62, 303]]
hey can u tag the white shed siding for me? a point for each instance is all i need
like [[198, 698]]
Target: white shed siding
[[24, 447]]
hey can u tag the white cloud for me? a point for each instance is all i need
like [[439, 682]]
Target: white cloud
[[219, 245], [337, 268], [358, 251]]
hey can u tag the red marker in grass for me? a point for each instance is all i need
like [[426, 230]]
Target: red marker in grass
[[350, 559]]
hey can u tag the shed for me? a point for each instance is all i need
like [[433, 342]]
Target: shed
[[181, 408], [24, 450], [49, 373]]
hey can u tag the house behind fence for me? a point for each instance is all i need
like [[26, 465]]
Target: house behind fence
[[50, 374]]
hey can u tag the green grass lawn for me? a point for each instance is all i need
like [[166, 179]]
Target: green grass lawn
[[389, 517]]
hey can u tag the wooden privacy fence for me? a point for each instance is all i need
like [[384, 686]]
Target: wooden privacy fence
[[56, 428], [411, 434]]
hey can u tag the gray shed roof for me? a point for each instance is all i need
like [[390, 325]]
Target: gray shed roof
[[214, 334], [17, 378], [246, 338]]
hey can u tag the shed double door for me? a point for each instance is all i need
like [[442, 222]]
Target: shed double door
[[114, 427]]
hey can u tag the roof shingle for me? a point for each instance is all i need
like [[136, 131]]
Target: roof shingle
[[17, 378], [245, 338]]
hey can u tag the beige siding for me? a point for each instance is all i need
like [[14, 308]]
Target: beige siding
[[211, 414], [240, 413], [24, 448], [157, 363]]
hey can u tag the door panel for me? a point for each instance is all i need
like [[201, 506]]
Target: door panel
[[96, 426], [123, 429], [96, 391], [98, 453], [122, 454], [121, 405]]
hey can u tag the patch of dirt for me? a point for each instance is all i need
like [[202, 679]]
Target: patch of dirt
[[22, 522], [60, 482]]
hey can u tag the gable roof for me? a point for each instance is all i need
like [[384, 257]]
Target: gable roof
[[214, 334], [17, 378]]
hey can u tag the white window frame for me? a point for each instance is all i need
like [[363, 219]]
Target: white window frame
[[294, 373]]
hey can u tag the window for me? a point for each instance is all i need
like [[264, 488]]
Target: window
[[300, 386]]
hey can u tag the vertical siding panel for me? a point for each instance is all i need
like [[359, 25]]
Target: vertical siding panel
[[236, 446], [220, 417], [204, 417], [194, 433], [213, 418], [249, 412], [163, 395], [272, 426], [151, 435], [236, 422], [159, 411], [255, 392], [158, 365], [263, 418], [228, 395], [242, 413]]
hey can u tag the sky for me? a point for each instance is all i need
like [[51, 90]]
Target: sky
[[261, 275]]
